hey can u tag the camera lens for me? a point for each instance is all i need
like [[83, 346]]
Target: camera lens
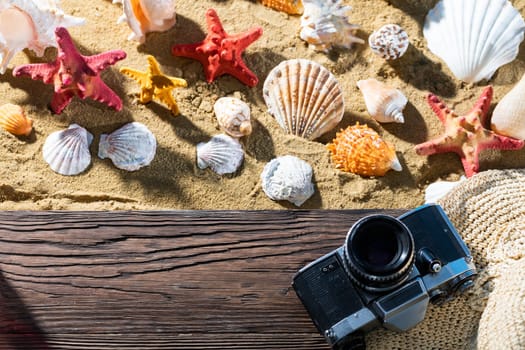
[[379, 253]]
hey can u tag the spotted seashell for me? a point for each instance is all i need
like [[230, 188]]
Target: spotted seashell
[[288, 178], [130, 148], [13, 119], [233, 116], [292, 7], [384, 103], [390, 41], [304, 97], [360, 150], [223, 154], [144, 16], [326, 23], [67, 151], [30, 24]]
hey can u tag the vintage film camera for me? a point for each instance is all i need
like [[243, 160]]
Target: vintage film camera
[[385, 274]]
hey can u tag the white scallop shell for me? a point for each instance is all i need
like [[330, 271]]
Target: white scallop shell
[[437, 190], [384, 103], [149, 16], [288, 178], [390, 42], [326, 23], [223, 154], [30, 24], [508, 117], [474, 37], [67, 151], [130, 148], [304, 97], [233, 116]]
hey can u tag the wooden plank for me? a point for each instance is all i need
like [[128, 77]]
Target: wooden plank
[[161, 280]]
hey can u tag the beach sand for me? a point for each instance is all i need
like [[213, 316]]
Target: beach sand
[[173, 180]]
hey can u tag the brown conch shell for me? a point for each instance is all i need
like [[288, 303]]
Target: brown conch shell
[[292, 7], [14, 120], [360, 150], [233, 116]]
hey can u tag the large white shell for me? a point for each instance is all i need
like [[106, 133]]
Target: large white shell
[[288, 178], [223, 154], [384, 103], [304, 97], [30, 24], [508, 117], [474, 37], [437, 190], [233, 116], [144, 16], [326, 23], [130, 148], [67, 151]]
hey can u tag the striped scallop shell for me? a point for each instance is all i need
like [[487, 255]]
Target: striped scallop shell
[[223, 154], [13, 119], [233, 116], [304, 97], [130, 148], [384, 103], [288, 178], [292, 7], [67, 151], [360, 150]]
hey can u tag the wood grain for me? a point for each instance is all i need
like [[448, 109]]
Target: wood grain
[[161, 280]]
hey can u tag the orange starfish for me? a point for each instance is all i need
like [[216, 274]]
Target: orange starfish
[[220, 53], [466, 135]]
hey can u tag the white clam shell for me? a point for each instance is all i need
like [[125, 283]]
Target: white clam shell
[[67, 151], [384, 103], [508, 117], [304, 97], [233, 116], [288, 178], [223, 154], [155, 16], [437, 190], [30, 24], [326, 23], [390, 41], [474, 37], [130, 148]]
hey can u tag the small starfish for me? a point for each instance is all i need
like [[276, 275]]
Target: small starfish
[[466, 135], [74, 74], [155, 85], [220, 53]]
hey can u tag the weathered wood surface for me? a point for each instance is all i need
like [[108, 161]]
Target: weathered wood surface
[[160, 280]]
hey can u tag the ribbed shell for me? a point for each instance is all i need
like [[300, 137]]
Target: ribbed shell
[[288, 178], [130, 148], [145, 16], [13, 119], [67, 151], [304, 97], [360, 150], [233, 116], [223, 154], [384, 103], [390, 42], [508, 117], [292, 7], [474, 37]]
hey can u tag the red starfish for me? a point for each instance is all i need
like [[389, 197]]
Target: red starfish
[[73, 74], [466, 135], [220, 53]]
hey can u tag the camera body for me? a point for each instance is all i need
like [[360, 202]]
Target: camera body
[[386, 273]]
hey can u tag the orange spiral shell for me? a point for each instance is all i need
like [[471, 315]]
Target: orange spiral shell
[[292, 7], [13, 119], [360, 150]]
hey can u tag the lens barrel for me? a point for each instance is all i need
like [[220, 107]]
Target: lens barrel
[[379, 253]]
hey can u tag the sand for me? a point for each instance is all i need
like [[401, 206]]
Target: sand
[[173, 180]]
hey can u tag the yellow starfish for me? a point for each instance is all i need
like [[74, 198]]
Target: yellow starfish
[[155, 85]]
